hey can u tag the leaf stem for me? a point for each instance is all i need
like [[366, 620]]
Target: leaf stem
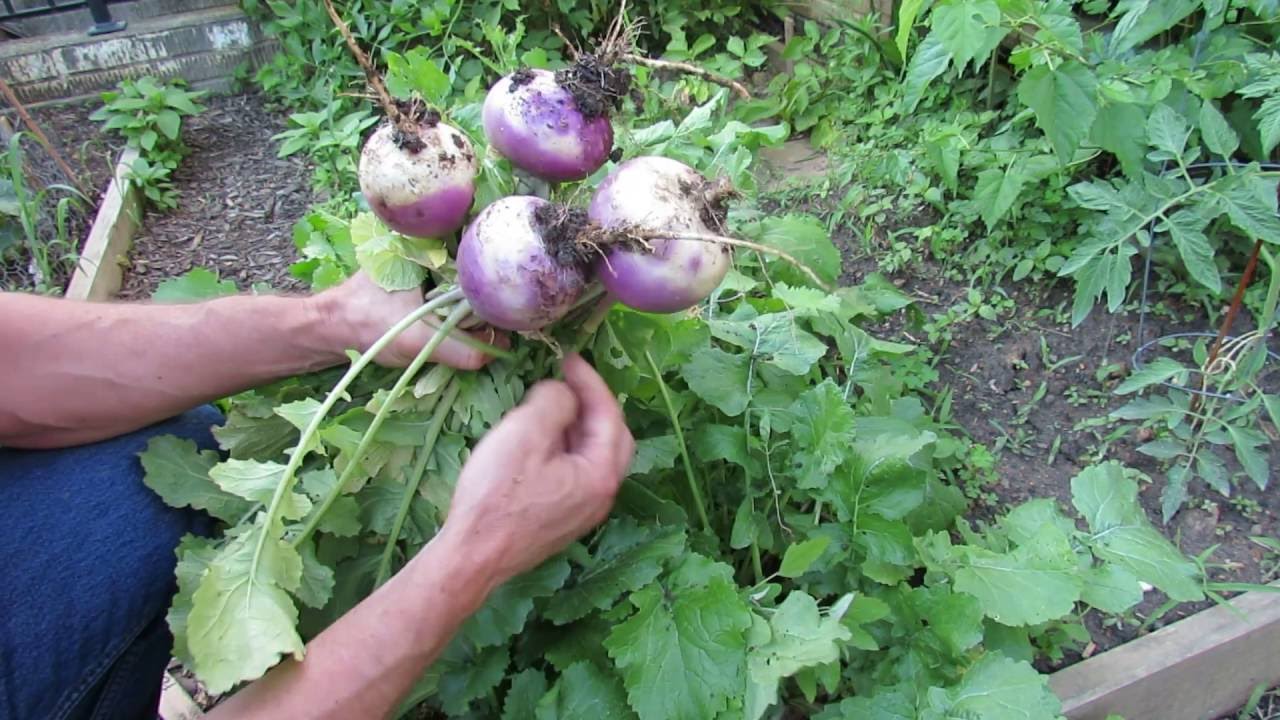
[[684, 449], [459, 311], [442, 410], [371, 74], [756, 565], [290, 474]]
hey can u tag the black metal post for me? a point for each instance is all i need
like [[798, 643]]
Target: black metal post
[[102, 22]]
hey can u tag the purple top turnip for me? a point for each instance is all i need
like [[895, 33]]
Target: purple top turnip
[[518, 264], [657, 194], [421, 188], [537, 124]]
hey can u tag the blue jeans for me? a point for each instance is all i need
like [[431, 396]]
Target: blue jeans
[[88, 558]]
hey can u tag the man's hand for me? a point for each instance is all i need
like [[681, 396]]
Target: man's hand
[[541, 478], [544, 476], [359, 312]]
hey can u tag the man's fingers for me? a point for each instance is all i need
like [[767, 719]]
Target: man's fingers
[[551, 407], [600, 425], [459, 355]]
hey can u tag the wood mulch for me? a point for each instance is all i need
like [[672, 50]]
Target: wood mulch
[[237, 204]]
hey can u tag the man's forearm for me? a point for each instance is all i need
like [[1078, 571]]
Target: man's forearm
[[367, 661], [76, 372]]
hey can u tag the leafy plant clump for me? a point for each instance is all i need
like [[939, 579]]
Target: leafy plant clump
[[148, 115], [35, 225], [785, 537]]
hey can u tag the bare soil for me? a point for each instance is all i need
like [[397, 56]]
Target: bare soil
[[237, 204]]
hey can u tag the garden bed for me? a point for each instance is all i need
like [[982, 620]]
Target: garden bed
[[995, 369], [237, 203]]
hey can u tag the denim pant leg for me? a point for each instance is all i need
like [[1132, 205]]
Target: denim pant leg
[[88, 561]]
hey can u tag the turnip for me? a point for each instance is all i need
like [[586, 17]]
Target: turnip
[[646, 197], [554, 126], [520, 262], [419, 176]]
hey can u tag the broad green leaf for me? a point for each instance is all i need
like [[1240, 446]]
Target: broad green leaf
[[194, 285], [169, 123], [382, 255], [464, 674], [255, 438], [1065, 102], [774, 339], [823, 428], [930, 60], [996, 190], [342, 518], [801, 556], [584, 691], [257, 482], [1163, 449], [655, 453], [1250, 202], [1120, 129], [626, 558], [505, 611], [1217, 133], [807, 300], [315, 585], [1035, 583], [1186, 229], [521, 701], [1111, 588], [194, 555], [997, 688], [1024, 522], [968, 29], [806, 239], [242, 619], [1167, 130], [1174, 493], [1144, 19], [1246, 442], [1145, 408], [416, 72], [955, 617], [908, 11], [1272, 404], [178, 471], [300, 413], [682, 656], [719, 378], [1214, 472], [1097, 195], [1108, 501], [798, 637], [892, 703], [890, 555], [710, 443], [1158, 371]]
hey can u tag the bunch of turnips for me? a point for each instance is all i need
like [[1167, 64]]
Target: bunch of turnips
[[523, 261]]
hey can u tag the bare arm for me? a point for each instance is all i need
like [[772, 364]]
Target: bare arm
[[541, 478], [75, 372]]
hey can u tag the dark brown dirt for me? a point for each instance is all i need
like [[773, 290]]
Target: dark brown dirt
[[597, 86], [237, 204]]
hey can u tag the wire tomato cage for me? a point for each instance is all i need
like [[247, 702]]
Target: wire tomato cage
[[1232, 348]]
